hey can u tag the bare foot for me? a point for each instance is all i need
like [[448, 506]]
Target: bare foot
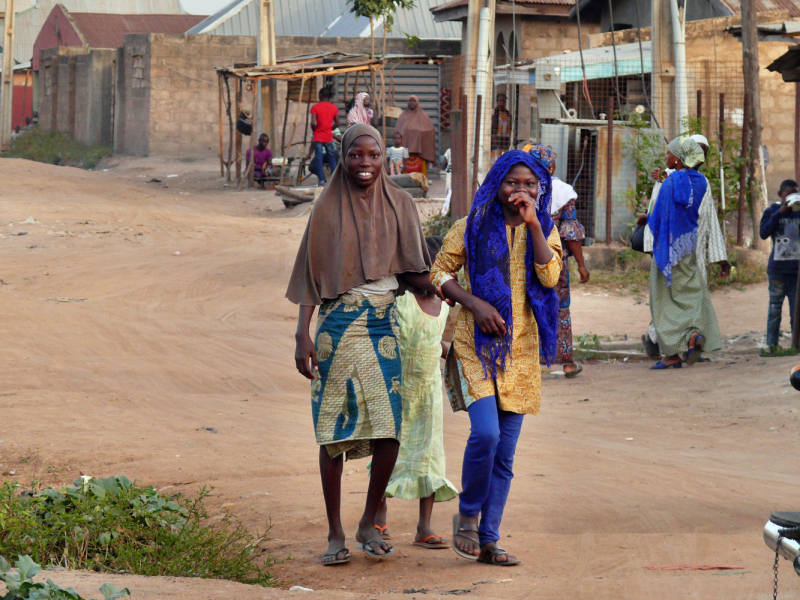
[[423, 531], [466, 538], [336, 550]]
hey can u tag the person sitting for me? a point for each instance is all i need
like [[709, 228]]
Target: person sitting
[[263, 160], [398, 154]]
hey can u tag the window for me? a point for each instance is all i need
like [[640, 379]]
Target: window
[[138, 72]]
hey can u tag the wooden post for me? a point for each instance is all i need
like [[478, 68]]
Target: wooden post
[[609, 167], [797, 131], [755, 156], [267, 55], [743, 170], [304, 149], [383, 98], [221, 145], [283, 137], [721, 130], [721, 140], [253, 137], [229, 110], [7, 91], [296, 116], [238, 133], [476, 155], [699, 105]]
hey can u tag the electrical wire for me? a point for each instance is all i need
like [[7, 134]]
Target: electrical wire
[[583, 65], [652, 67], [614, 47]]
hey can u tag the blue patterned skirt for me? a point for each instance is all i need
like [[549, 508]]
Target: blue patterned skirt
[[356, 396]]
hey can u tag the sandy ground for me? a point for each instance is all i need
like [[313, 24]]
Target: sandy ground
[[117, 354]]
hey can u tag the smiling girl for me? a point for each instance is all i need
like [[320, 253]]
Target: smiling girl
[[512, 255], [363, 234]]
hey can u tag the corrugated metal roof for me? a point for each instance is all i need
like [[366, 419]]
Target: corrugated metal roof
[[331, 18], [457, 3], [29, 22], [108, 31], [793, 6]]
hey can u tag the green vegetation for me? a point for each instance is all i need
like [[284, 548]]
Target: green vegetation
[[114, 525], [20, 585], [777, 352], [56, 148], [438, 225]]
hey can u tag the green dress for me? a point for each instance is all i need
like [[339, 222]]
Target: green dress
[[420, 468]]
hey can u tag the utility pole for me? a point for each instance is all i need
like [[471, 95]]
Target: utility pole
[[663, 68], [267, 55], [477, 80], [7, 92], [755, 153]]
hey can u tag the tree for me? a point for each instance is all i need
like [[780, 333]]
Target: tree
[[753, 146], [379, 10]]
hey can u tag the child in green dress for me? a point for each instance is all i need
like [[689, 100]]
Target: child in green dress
[[419, 473]]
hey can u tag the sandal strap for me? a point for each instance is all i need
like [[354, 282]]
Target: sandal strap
[[436, 538], [491, 554], [472, 527]]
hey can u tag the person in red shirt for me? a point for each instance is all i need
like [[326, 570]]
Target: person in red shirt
[[324, 119]]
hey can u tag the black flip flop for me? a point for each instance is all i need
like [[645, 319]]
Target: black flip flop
[[336, 560], [371, 553], [489, 557], [574, 373], [457, 529]]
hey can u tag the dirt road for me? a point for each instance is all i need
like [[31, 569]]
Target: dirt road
[[117, 353]]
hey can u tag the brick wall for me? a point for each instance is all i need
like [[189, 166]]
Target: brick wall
[[183, 93], [541, 38]]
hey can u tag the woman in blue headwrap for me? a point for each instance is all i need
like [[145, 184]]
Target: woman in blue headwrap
[[683, 215], [511, 252]]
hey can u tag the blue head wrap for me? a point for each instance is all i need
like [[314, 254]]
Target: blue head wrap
[[674, 219], [488, 261]]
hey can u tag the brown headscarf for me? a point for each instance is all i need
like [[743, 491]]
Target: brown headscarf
[[357, 235], [419, 134]]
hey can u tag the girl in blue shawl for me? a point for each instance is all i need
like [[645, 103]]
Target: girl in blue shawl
[[680, 304], [511, 254]]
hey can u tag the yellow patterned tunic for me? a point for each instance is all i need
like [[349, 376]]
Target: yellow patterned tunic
[[519, 388]]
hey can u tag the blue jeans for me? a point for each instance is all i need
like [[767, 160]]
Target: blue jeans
[[330, 156], [488, 459], [781, 285]]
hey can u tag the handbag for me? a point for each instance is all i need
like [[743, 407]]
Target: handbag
[[637, 238]]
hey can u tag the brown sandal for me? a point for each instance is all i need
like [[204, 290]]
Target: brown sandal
[[384, 532], [458, 531], [490, 555], [432, 542]]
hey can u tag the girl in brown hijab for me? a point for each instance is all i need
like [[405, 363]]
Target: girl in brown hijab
[[419, 136], [363, 234]]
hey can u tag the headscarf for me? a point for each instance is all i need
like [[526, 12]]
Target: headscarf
[[562, 191], [355, 236], [675, 214], [419, 134], [687, 151], [488, 261], [359, 113]]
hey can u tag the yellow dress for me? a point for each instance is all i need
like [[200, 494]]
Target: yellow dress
[[519, 387]]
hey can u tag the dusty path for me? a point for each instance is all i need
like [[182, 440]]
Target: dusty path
[[160, 346]]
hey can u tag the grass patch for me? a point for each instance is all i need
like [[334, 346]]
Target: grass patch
[[113, 525], [777, 352], [56, 148]]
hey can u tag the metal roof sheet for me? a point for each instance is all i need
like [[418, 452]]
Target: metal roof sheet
[[108, 31], [29, 22], [331, 18], [793, 6], [457, 3]]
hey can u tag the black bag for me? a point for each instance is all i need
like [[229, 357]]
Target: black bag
[[637, 238], [244, 126]]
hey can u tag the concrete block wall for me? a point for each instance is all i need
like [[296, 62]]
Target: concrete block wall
[[133, 90], [56, 93], [65, 95], [94, 81], [183, 90]]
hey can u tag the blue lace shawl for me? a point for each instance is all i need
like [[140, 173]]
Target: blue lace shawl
[[488, 259], [674, 219]]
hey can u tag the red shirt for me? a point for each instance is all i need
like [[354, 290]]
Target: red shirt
[[325, 112]]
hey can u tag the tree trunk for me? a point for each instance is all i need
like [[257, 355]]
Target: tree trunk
[[372, 34], [755, 158]]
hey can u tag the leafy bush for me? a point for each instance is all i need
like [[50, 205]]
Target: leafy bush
[[20, 585], [55, 148], [114, 525], [438, 225]]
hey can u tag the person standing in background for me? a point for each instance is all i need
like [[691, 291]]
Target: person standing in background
[[324, 119], [782, 224]]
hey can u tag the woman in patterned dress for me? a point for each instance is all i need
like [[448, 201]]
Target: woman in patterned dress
[[363, 234], [686, 234], [511, 252], [572, 233]]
